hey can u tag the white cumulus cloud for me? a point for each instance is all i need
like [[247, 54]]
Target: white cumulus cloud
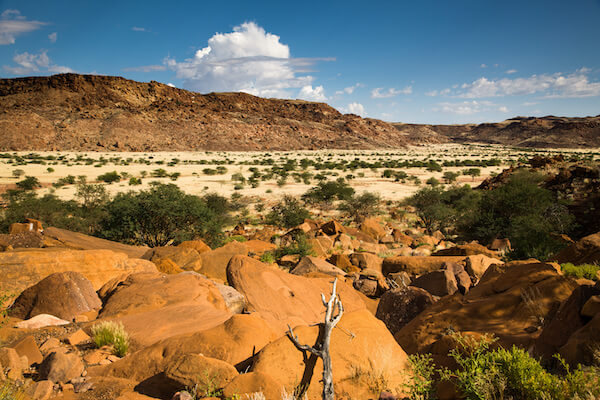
[[576, 84], [312, 94], [249, 59], [13, 24], [380, 93], [356, 108], [27, 64]]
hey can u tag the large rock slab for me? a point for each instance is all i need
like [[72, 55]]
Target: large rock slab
[[399, 306], [508, 300], [282, 298], [417, 265], [362, 351], [565, 323], [186, 258], [585, 251], [80, 241], [235, 342], [309, 265], [214, 262], [63, 294], [20, 269], [155, 306]]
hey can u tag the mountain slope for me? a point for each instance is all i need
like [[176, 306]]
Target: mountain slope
[[546, 132], [90, 112]]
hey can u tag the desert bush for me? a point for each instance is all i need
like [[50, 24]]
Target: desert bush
[[421, 385], [159, 173], [29, 183], [49, 209], [433, 182], [450, 176], [17, 173], [91, 196], [67, 180], [520, 210], [109, 177], [587, 271], [327, 192], [10, 391], [361, 206], [287, 213], [472, 172], [133, 181], [112, 334], [162, 214], [299, 246], [513, 374], [49, 170], [267, 257]]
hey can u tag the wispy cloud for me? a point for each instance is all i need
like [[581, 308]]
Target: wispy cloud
[[27, 64], [511, 71], [250, 60], [146, 68], [381, 93], [349, 89], [53, 37], [139, 29], [13, 24], [468, 107]]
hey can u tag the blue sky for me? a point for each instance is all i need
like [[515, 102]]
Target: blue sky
[[419, 61]]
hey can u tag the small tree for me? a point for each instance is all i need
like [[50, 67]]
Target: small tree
[[321, 348], [17, 173], [287, 213], [361, 206], [450, 176], [29, 183], [109, 177], [472, 172]]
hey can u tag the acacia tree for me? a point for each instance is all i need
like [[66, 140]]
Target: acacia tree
[[321, 348]]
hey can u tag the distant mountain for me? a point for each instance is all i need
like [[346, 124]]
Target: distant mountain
[[105, 113], [541, 132], [90, 112]]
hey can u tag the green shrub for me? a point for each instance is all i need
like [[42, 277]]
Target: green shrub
[[112, 334], [299, 246], [287, 213], [29, 183], [587, 271], [513, 374], [327, 192], [361, 206], [52, 211], [10, 391], [161, 214], [110, 177], [133, 181], [422, 383], [267, 257]]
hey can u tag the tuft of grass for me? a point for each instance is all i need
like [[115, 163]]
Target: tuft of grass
[[112, 334], [587, 271], [9, 391]]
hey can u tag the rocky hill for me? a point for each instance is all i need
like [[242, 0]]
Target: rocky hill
[[543, 132], [90, 112]]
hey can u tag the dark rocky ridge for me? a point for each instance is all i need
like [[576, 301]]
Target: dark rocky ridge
[[544, 132], [90, 112]]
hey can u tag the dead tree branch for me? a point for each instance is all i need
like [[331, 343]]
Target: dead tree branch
[[333, 313]]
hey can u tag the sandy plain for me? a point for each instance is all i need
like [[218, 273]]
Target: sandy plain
[[193, 180]]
